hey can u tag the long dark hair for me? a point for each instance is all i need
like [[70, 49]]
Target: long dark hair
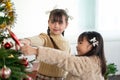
[[56, 16], [97, 50]]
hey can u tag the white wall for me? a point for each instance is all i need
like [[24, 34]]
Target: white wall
[[112, 51]]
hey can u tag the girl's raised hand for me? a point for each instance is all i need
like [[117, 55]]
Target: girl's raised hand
[[24, 41], [27, 49]]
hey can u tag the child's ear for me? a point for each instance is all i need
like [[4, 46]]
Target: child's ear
[[66, 25], [48, 21], [89, 47]]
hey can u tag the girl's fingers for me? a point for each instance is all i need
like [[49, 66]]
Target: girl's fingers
[[24, 41]]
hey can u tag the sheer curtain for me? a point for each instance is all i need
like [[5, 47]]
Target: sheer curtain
[[108, 18]]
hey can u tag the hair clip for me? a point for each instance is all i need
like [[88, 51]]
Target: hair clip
[[68, 15], [94, 41], [55, 7], [47, 12]]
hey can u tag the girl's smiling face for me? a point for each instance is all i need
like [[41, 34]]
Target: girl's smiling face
[[83, 47], [57, 27]]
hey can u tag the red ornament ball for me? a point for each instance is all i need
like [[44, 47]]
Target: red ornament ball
[[8, 45], [5, 72], [24, 61]]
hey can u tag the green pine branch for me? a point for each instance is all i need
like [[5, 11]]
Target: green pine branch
[[14, 63]]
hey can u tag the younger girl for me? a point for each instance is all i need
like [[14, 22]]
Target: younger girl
[[89, 64], [57, 23]]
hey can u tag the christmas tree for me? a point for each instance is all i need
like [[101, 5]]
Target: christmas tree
[[11, 66]]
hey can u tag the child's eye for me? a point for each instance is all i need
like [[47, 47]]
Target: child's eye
[[60, 22], [80, 42], [52, 21]]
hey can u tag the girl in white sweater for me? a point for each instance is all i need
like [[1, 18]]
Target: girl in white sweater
[[89, 64]]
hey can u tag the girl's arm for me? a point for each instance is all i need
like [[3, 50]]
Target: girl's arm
[[74, 65], [35, 41], [25, 40]]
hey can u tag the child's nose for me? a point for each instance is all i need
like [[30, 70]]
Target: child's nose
[[56, 24]]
